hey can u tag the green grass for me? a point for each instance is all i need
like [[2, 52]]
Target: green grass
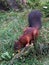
[[11, 27]]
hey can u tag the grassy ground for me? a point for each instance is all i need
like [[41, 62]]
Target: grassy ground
[[11, 27]]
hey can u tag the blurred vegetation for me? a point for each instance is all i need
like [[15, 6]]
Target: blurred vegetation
[[12, 24], [30, 4], [46, 9]]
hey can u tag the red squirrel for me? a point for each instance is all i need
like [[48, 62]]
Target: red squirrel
[[28, 35], [31, 32]]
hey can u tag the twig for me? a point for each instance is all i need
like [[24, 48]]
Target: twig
[[21, 53]]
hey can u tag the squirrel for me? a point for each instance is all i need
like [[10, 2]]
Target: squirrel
[[30, 33], [25, 40]]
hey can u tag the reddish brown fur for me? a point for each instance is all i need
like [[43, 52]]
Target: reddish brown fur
[[29, 34]]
